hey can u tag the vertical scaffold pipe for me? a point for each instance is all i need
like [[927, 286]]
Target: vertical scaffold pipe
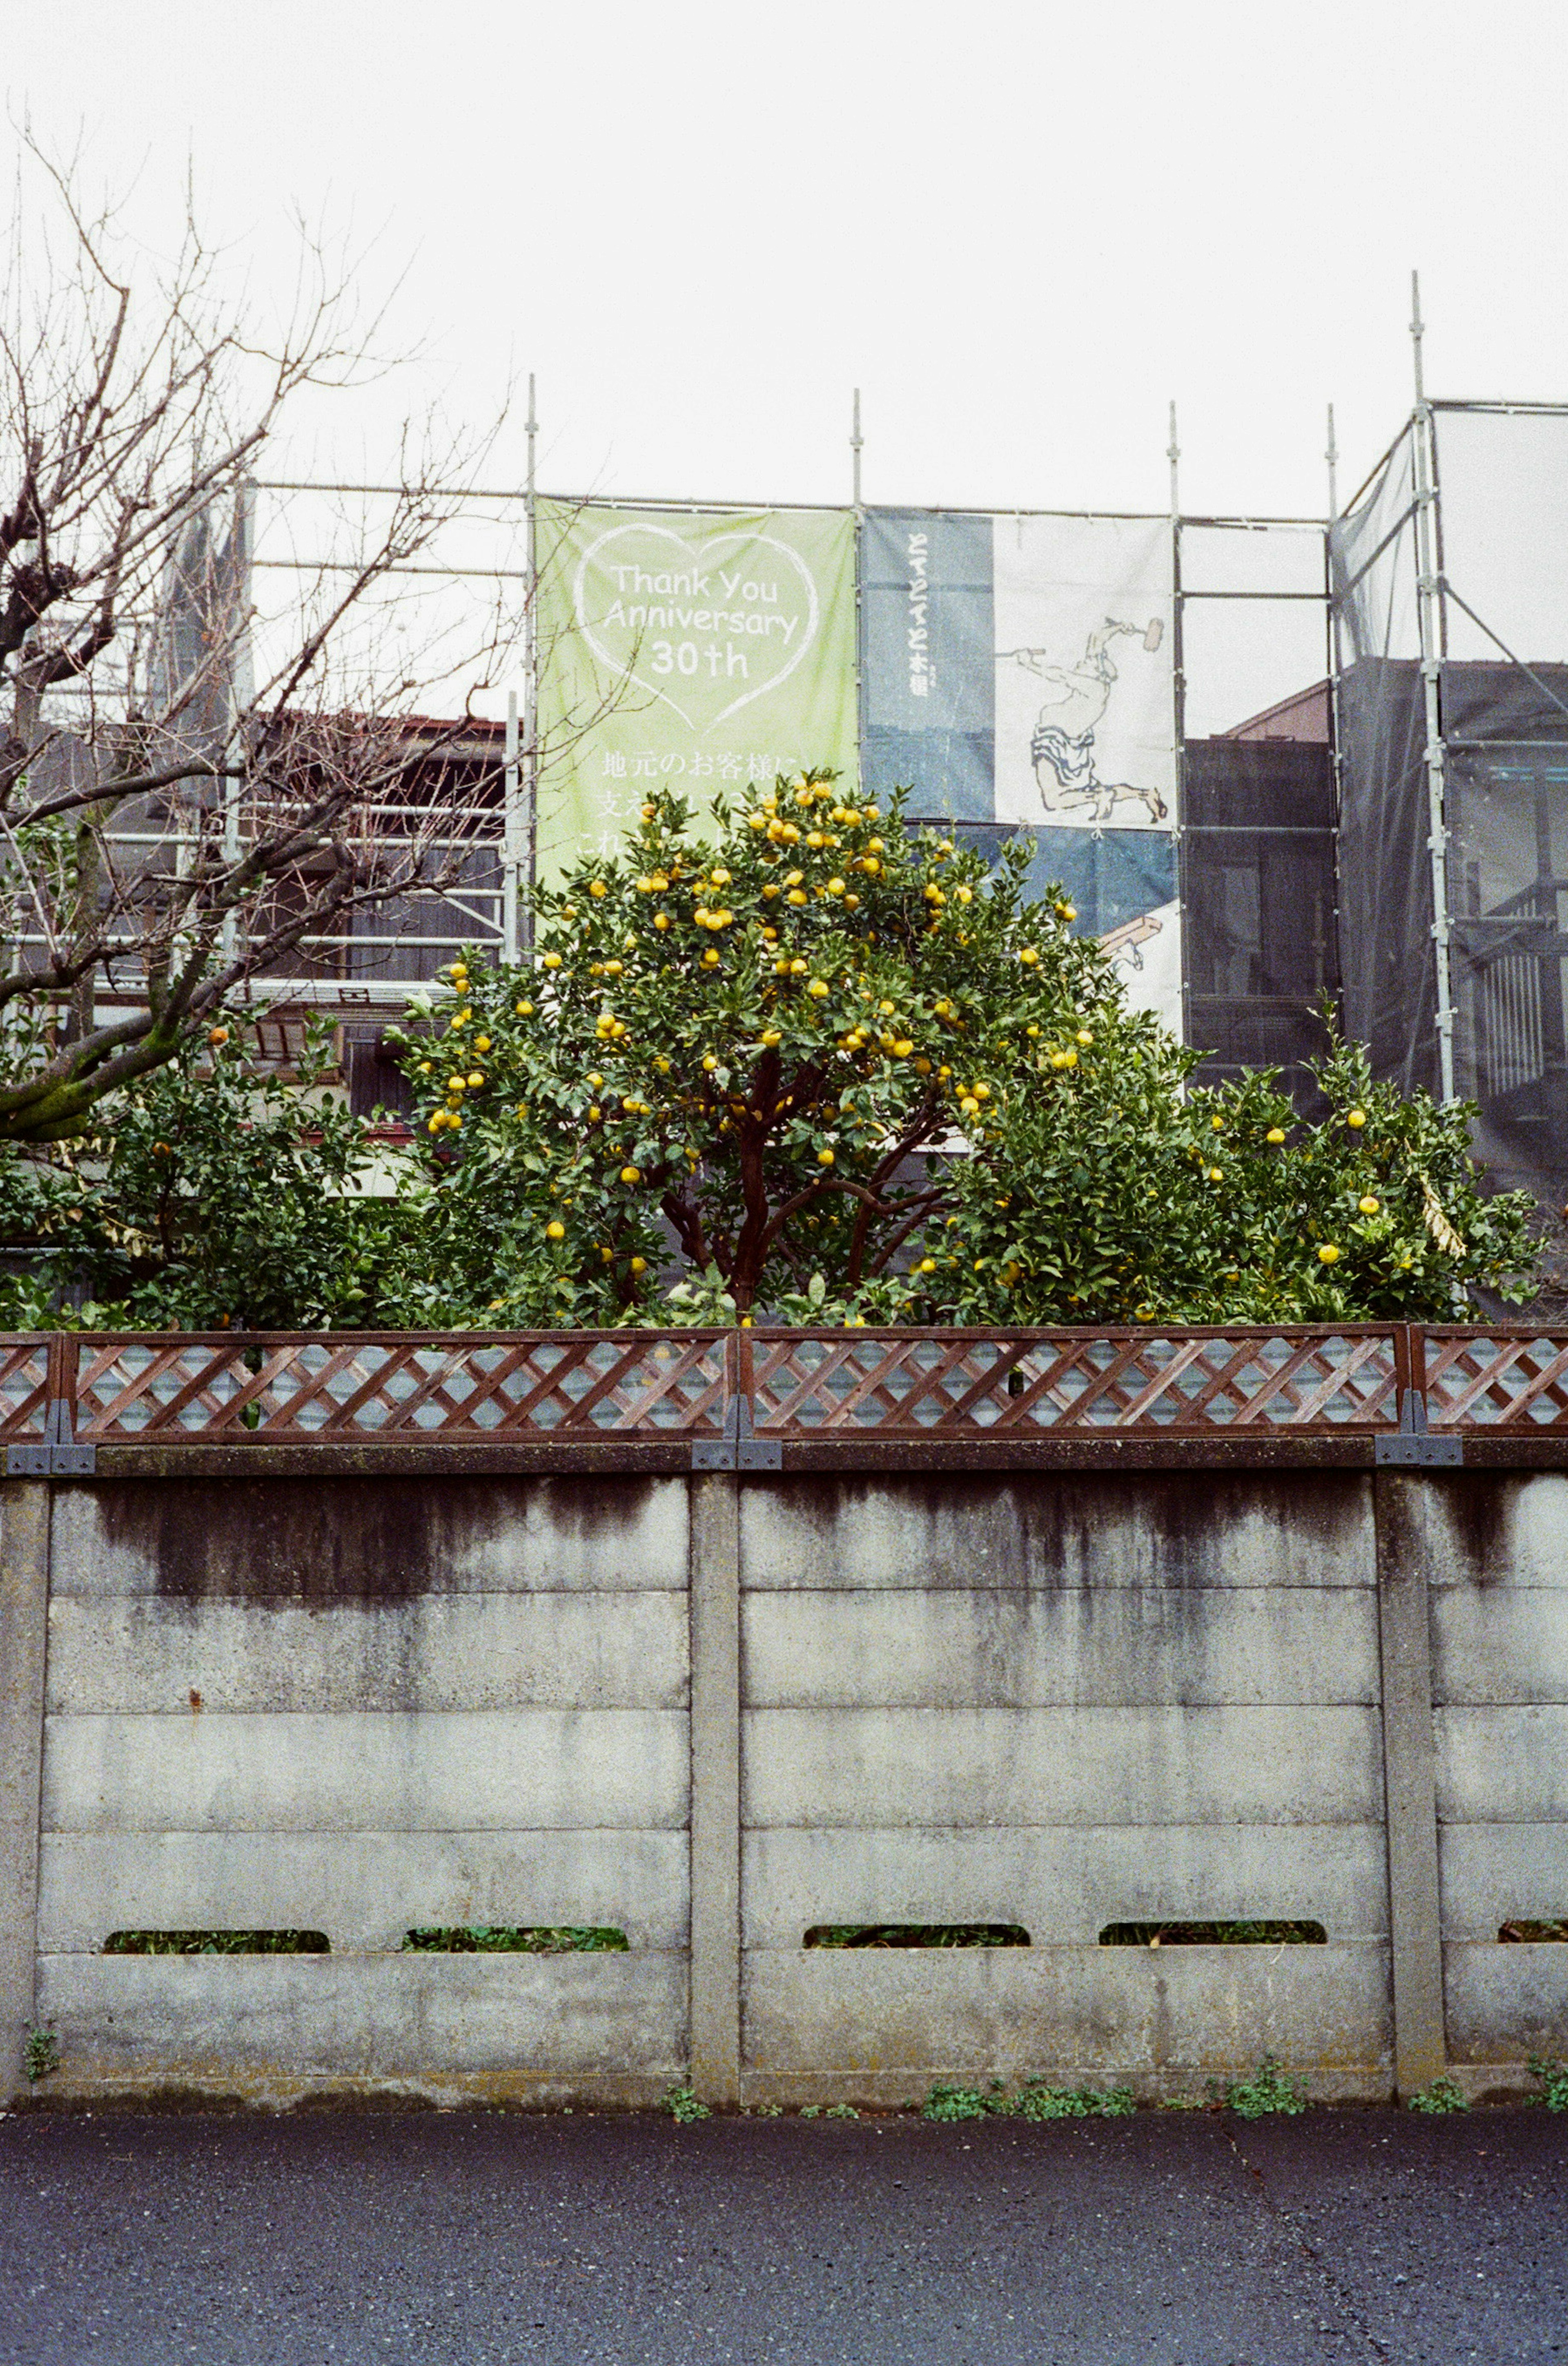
[[530, 676], [1178, 724], [1424, 484]]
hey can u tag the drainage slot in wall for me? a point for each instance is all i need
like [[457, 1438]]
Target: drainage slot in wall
[[517, 1939], [1214, 1934], [916, 1934], [1532, 1934], [217, 1942]]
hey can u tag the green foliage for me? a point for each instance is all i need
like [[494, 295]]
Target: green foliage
[[842, 2112], [216, 1198], [855, 1081], [1553, 2077], [682, 2105], [1268, 2090], [916, 1934], [773, 1050], [1037, 2100], [945, 2102], [40, 2053], [1117, 1191], [1444, 2094], [1213, 1934], [526, 1939], [744, 1040], [216, 1943]]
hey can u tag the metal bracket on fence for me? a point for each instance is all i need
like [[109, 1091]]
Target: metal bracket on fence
[[738, 1448], [57, 1455], [1413, 1446]]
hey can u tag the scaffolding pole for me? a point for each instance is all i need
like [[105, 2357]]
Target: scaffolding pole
[[530, 673], [1429, 625], [513, 849], [855, 447], [1178, 722]]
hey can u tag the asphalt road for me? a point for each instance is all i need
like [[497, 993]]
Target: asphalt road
[[484, 2238]]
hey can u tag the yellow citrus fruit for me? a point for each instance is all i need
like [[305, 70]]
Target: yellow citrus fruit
[[596, 887], [824, 1158], [1328, 1254], [631, 1175], [552, 961], [1275, 1134], [555, 1231], [1368, 1206], [1356, 1117]]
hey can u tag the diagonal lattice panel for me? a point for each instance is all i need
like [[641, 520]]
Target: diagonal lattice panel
[[24, 1386], [1497, 1380], [338, 1386], [959, 1382]]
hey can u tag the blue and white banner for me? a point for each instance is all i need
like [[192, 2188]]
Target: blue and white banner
[[1017, 671]]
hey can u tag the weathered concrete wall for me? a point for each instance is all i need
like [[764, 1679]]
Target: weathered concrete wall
[[361, 1706], [1062, 1702], [716, 1712], [1497, 1554]]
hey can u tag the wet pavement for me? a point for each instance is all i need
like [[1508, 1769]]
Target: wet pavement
[[1179, 2240]]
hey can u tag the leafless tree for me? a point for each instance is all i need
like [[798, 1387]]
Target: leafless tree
[[190, 793]]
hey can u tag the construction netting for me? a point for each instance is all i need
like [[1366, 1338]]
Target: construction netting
[[1496, 478]]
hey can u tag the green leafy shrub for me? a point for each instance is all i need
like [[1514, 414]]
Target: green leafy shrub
[[1444, 2094], [217, 1197], [40, 2052], [682, 2105], [1268, 2090], [1037, 2100], [946, 2103], [1553, 2077]]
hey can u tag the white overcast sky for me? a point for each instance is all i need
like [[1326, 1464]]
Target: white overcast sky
[[1021, 229]]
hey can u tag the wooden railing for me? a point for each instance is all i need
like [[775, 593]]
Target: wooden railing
[[740, 1399]]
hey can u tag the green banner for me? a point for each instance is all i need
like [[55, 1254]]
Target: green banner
[[697, 651]]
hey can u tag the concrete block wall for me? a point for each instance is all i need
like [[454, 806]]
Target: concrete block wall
[[1496, 1551], [1062, 1702], [363, 1707], [716, 1711]]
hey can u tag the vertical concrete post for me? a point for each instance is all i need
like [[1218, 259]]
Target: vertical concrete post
[[23, 1620], [716, 1572], [1409, 1758]]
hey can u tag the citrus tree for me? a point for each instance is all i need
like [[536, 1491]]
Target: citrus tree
[[762, 1048], [1112, 1195], [842, 1071]]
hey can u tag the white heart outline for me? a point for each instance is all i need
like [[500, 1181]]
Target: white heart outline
[[630, 674]]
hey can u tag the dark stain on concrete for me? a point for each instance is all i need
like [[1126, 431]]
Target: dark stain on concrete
[[327, 1541]]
